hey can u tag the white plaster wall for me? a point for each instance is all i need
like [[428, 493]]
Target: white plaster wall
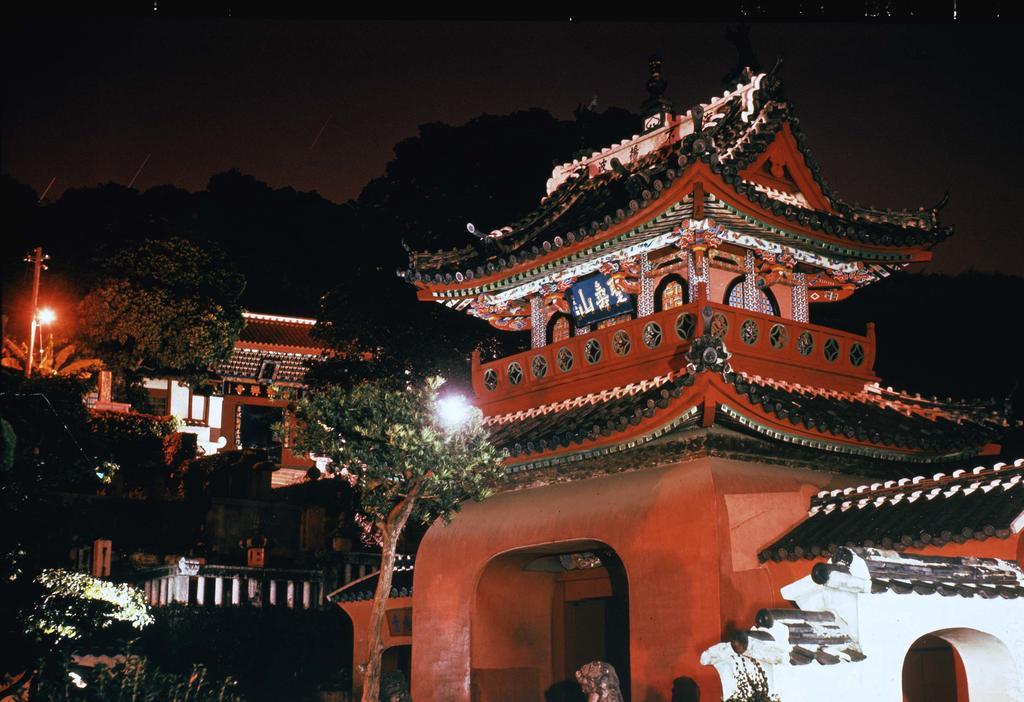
[[216, 410], [179, 400], [891, 623], [987, 634]]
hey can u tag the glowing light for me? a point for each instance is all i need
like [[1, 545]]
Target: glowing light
[[453, 411], [47, 316]]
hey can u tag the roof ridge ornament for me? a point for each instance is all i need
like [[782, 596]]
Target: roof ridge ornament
[[656, 108]]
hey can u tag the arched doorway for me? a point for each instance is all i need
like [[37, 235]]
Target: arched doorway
[[542, 612], [933, 672], [957, 665]]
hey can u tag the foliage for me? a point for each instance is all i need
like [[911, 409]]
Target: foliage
[[752, 685], [44, 424], [134, 680], [142, 451], [51, 362], [163, 304], [70, 611], [117, 426], [273, 653], [390, 443], [75, 603]]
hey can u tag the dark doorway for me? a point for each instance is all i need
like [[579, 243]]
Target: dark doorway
[[594, 628], [543, 611], [929, 671], [256, 430], [586, 633], [397, 658]]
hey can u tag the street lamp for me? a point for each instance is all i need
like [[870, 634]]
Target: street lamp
[[41, 317], [453, 411], [47, 316]]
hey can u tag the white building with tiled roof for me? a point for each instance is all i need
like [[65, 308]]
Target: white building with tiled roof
[[253, 388]]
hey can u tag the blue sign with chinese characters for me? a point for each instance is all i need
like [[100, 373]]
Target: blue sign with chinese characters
[[598, 298]]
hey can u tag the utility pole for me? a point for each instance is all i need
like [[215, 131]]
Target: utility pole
[[36, 258]]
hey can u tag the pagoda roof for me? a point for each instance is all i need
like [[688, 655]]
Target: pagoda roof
[[874, 422], [286, 341], [925, 510], [244, 365], [285, 333], [758, 179]]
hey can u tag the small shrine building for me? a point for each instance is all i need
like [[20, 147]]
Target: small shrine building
[[683, 442], [249, 393]]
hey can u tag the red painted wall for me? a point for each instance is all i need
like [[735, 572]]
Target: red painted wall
[[685, 534]]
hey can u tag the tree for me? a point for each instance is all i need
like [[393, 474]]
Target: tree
[[163, 305], [51, 362], [73, 609], [406, 463]]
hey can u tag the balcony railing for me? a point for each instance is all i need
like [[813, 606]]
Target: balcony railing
[[654, 345]]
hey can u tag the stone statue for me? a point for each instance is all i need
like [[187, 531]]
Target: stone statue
[[599, 682], [393, 688]]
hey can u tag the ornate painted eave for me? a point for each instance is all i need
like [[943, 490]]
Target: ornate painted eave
[[599, 199]]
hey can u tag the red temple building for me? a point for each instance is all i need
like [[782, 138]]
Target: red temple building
[[250, 394], [692, 461]]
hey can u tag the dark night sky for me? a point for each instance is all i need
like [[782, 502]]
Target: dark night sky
[[895, 114]]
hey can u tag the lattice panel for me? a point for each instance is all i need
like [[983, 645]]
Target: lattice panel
[[645, 305], [751, 299], [801, 313], [538, 322]]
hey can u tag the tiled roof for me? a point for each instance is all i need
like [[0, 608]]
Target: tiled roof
[[876, 416], [901, 427], [575, 421], [977, 504], [365, 588], [799, 637], [878, 570], [245, 364], [275, 330], [732, 138]]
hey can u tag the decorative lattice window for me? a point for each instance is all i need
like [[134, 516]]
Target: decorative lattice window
[[749, 332], [514, 373], [652, 335], [719, 325], [565, 359], [490, 379], [856, 354], [778, 336], [672, 295], [539, 365], [621, 343], [686, 324], [592, 351], [560, 330], [805, 343], [831, 349], [763, 303]]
